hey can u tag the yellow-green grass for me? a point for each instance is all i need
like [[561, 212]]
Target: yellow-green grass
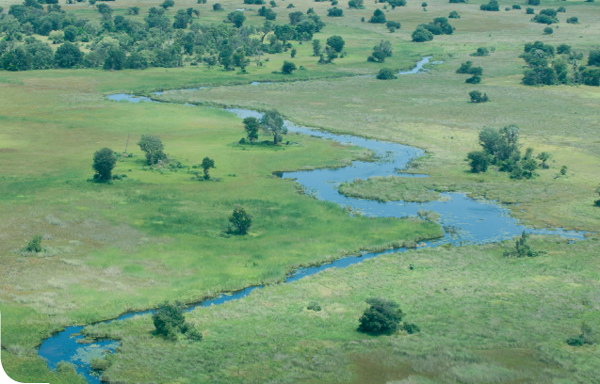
[[154, 236], [483, 318]]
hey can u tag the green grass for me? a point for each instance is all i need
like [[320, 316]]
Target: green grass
[[156, 235], [484, 319], [388, 188]]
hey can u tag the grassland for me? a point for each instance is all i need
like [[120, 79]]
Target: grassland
[[156, 236], [484, 319]]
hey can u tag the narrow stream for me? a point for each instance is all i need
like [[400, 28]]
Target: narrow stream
[[471, 222]]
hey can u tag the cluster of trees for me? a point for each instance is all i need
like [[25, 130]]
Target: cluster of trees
[[501, 148], [468, 68], [160, 40], [170, 323], [333, 49], [478, 97], [425, 32], [546, 16], [271, 123], [544, 68], [492, 6], [522, 248], [384, 317], [381, 51]]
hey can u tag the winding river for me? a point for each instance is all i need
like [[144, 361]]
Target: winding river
[[472, 222]]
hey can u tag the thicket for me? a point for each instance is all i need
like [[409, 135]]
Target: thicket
[[119, 42], [501, 148], [170, 323], [439, 26], [384, 317], [544, 68]]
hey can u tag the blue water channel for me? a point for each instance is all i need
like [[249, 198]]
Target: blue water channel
[[466, 220]]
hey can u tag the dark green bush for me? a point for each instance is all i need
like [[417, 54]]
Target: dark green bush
[[382, 317]]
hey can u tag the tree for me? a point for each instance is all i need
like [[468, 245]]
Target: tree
[[335, 12], [153, 147], [381, 51], [594, 57], [382, 317], [272, 123], [454, 15], [386, 74], [336, 43], [68, 55], [115, 59], [167, 4], [378, 17], [421, 34], [316, 47], [251, 126], [104, 162], [241, 220], [237, 18], [479, 161], [522, 248], [288, 67], [544, 156], [207, 163], [296, 17]]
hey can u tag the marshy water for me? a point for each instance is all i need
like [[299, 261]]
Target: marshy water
[[467, 221]]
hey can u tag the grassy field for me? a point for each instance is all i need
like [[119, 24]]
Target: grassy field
[[484, 319], [157, 235]]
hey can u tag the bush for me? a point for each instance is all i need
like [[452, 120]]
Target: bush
[[530, 11], [454, 15], [457, 1], [594, 58], [392, 26], [357, 4], [217, 7], [421, 34], [585, 337], [382, 317], [481, 51], [561, 9], [479, 161], [563, 49], [548, 31], [313, 306], [516, 6], [465, 67], [477, 97], [522, 248], [335, 12], [533, 2], [491, 6], [473, 80], [386, 74], [411, 328], [35, 244], [288, 67], [378, 17], [573, 20]]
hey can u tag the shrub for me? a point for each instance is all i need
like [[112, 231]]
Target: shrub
[[465, 67], [481, 51], [491, 6], [357, 4], [35, 244], [479, 161], [530, 11], [516, 6], [563, 49], [594, 57], [411, 328], [561, 9], [573, 20], [392, 25], [288, 67], [473, 80], [386, 74], [522, 248], [477, 97], [585, 337], [313, 306], [457, 1], [548, 31], [335, 12], [217, 7], [533, 2], [454, 15], [382, 317], [378, 17], [421, 34]]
